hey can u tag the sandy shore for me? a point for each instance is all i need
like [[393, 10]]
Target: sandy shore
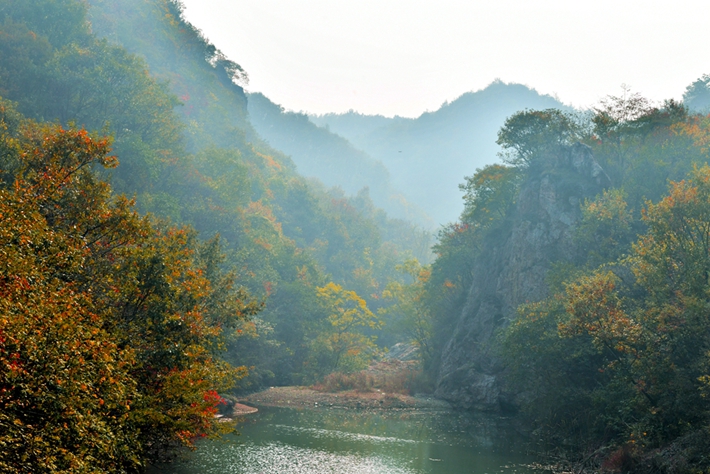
[[304, 397], [241, 409]]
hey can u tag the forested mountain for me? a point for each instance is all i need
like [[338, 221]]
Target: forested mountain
[[428, 157], [356, 126], [123, 316], [213, 105], [573, 289], [329, 157], [203, 80], [156, 253], [331, 226]]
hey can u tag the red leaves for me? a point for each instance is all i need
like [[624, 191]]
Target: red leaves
[[596, 309], [213, 398], [106, 323]]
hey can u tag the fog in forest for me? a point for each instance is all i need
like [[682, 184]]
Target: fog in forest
[[172, 244]]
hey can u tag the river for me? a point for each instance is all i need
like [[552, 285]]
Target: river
[[339, 441]]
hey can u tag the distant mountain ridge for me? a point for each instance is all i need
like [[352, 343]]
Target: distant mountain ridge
[[428, 157], [331, 158], [412, 167]]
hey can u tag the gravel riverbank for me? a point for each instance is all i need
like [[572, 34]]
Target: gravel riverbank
[[304, 397]]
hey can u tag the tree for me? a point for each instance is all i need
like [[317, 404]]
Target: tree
[[697, 95], [65, 387], [340, 346], [489, 194], [638, 144], [409, 313], [635, 330], [606, 228], [536, 134], [110, 323]]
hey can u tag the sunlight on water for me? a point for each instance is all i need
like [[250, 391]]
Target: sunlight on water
[[280, 458], [317, 433], [288, 441]]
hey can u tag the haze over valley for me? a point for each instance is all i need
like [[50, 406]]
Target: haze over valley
[[502, 283]]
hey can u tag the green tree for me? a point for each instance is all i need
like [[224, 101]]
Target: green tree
[[697, 95], [409, 313], [536, 134], [489, 194]]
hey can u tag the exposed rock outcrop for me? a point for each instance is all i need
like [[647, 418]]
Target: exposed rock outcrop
[[512, 270]]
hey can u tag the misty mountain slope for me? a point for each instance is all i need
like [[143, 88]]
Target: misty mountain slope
[[428, 157], [213, 106], [329, 157], [354, 125], [214, 113]]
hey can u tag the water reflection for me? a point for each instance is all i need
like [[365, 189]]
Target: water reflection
[[290, 441]]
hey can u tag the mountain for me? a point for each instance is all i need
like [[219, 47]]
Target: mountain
[[356, 126], [319, 153], [428, 157], [213, 104], [286, 235]]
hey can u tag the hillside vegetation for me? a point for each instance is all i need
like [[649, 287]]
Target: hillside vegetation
[[125, 318], [611, 362], [156, 253]]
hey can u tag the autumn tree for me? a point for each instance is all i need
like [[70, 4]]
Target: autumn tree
[[110, 323], [341, 344], [634, 332], [606, 229]]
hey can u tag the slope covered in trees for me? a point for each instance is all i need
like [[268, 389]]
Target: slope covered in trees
[[428, 157], [110, 323], [329, 157], [588, 315], [255, 192], [122, 318], [152, 307]]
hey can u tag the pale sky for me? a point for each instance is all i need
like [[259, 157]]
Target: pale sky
[[406, 57]]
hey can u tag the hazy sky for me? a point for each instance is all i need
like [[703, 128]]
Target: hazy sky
[[405, 57]]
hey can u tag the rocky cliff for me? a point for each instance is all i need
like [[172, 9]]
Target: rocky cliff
[[512, 270]]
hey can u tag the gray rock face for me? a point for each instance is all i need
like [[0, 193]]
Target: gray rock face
[[512, 270]]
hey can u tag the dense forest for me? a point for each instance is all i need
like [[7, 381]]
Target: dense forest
[[152, 241], [609, 356], [167, 240]]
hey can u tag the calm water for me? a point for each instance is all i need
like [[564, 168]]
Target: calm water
[[291, 441]]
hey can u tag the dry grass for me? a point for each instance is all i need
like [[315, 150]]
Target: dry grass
[[387, 376]]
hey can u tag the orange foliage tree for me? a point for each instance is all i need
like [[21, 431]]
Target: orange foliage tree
[[109, 322]]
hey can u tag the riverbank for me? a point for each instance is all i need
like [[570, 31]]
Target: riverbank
[[305, 397], [367, 401], [674, 459], [301, 398]]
